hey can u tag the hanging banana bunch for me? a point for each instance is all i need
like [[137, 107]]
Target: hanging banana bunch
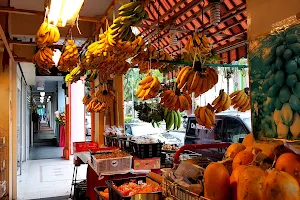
[[105, 94], [240, 100], [198, 81], [205, 116], [69, 58], [198, 44], [86, 99], [47, 35], [222, 102], [43, 58], [75, 74], [176, 100], [95, 106], [130, 14], [149, 87]]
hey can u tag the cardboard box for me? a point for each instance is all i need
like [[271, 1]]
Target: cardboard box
[[146, 163], [84, 146]]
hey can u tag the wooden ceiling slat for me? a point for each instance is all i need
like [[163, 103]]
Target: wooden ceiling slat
[[177, 15]]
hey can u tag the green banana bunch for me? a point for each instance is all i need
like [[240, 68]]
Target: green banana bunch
[[130, 14], [172, 118]]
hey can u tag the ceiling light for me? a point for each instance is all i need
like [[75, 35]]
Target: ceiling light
[[42, 94], [64, 12]]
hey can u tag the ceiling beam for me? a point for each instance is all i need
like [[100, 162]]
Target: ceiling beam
[[35, 12], [6, 44], [165, 14], [227, 16], [172, 19], [230, 46]]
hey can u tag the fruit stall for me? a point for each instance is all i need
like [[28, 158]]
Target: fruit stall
[[265, 165], [193, 44]]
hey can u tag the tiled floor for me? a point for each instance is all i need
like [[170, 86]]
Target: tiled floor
[[47, 178], [45, 152]]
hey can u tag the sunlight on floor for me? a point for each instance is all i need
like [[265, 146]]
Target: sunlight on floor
[[47, 178]]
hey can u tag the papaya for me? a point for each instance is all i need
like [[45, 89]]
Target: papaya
[[289, 163], [278, 62], [284, 94], [291, 38], [282, 130], [216, 174], [280, 185], [277, 116], [287, 114], [242, 158], [279, 41], [272, 80], [273, 90], [279, 78], [287, 54], [295, 48], [296, 89], [270, 59], [248, 140], [250, 183], [234, 149], [291, 80], [290, 66], [273, 68], [234, 180], [298, 72], [277, 103], [295, 127], [279, 50], [294, 103]]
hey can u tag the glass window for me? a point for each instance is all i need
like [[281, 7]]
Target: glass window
[[233, 131]]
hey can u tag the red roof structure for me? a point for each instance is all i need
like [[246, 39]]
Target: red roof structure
[[184, 17]]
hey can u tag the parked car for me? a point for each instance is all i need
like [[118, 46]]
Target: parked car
[[230, 126]]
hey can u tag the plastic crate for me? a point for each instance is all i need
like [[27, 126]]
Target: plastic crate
[[84, 146], [114, 194], [80, 190], [111, 141], [111, 164], [125, 145], [147, 150], [98, 190]]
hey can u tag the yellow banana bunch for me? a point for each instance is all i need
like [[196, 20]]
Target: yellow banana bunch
[[127, 49], [96, 106], [43, 58], [69, 58], [47, 35], [86, 99], [205, 116], [198, 44], [240, 99], [130, 14], [175, 100], [222, 102], [149, 87], [199, 82], [75, 74], [105, 95]]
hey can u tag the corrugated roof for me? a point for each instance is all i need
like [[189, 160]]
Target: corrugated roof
[[186, 16]]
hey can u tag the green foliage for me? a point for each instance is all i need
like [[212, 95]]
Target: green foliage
[[128, 118]]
